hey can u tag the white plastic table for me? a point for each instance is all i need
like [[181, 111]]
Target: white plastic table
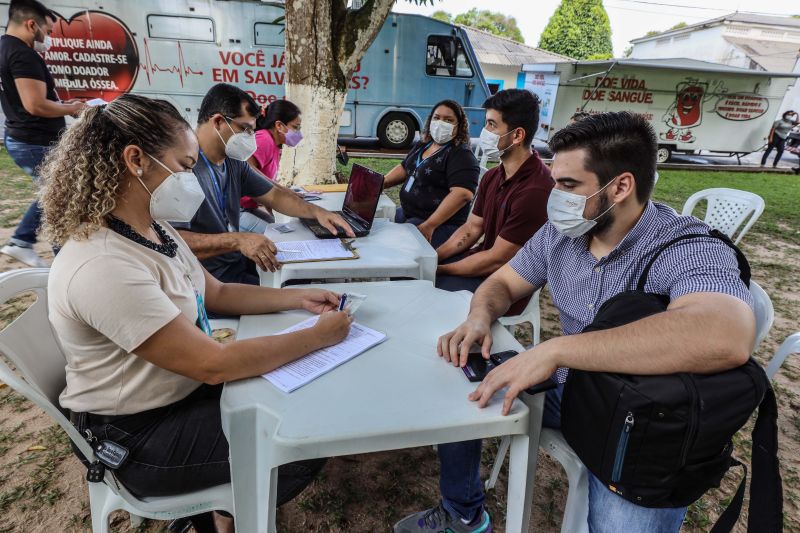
[[389, 251], [399, 394], [333, 201]]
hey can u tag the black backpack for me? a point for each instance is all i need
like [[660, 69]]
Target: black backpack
[[663, 441]]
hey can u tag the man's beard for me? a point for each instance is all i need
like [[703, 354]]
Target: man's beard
[[605, 221]]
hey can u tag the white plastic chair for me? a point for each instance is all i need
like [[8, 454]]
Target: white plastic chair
[[765, 313], [790, 345], [728, 209], [31, 345], [483, 161], [529, 314], [576, 510]]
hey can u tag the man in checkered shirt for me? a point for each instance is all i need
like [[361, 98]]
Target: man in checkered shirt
[[594, 246]]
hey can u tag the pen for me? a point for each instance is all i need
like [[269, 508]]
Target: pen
[[342, 300]]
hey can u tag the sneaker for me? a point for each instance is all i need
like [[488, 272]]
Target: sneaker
[[24, 255], [438, 520]]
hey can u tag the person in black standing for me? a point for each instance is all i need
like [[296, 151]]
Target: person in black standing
[[439, 175], [34, 113]]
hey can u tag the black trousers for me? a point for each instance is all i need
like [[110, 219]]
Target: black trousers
[[778, 144], [181, 448]]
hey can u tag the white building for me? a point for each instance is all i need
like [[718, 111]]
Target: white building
[[501, 59], [743, 40]]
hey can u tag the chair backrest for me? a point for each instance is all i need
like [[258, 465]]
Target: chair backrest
[[765, 313], [789, 346], [483, 160], [728, 209], [29, 342]]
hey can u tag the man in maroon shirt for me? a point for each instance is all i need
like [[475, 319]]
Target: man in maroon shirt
[[511, 203]]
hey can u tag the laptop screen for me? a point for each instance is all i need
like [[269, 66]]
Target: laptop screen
[[363, 193]]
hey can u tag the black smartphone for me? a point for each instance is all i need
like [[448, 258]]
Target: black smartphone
[[477, 367]]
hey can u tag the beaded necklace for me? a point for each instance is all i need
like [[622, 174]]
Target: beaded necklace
[[168, 247]]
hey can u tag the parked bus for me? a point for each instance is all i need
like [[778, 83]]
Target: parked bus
[[177, 49], [693, 105]]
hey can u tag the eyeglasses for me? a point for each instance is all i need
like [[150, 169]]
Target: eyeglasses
[[247, 128]]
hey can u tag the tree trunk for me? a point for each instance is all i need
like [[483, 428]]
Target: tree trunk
[[324, 43]]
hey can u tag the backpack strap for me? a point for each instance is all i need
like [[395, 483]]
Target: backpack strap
[[744, 266], [727, 520], [766, 491]]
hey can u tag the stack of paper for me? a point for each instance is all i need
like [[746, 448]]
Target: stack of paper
[[294, 375], [314, 250]]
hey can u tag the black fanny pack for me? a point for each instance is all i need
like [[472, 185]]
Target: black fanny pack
[[664, 440]]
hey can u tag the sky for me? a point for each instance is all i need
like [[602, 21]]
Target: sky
[[629, 18]]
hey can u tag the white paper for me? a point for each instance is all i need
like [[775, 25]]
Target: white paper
[[95, 102], [310, 250], [294, 375]]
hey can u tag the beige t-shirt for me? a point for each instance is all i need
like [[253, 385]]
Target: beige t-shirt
[[106, 296]]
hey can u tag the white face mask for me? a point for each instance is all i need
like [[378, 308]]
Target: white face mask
[[565, 212], [240, 146], [40, 46], [488, 142], [178, 197], [441, 131]]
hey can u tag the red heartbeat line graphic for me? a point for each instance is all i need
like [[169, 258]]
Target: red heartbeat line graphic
[[181, 69]]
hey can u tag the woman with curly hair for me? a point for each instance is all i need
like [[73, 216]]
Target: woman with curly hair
[[439, 175], [127, 301]]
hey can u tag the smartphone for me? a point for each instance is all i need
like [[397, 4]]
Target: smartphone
[[477, 367]]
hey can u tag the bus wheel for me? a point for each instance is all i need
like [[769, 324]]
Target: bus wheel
[[396, 130], [663, 154]]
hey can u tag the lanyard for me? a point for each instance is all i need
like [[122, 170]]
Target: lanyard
[[202, 321], [222, 196], [419, 155]]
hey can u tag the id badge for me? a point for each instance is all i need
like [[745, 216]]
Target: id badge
[[410, 183]]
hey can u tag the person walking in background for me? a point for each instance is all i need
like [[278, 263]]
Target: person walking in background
[[777, 136], [34, 114]]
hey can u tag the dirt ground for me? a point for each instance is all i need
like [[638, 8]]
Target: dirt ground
[[42, 487]]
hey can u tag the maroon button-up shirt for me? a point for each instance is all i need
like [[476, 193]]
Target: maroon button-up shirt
[[515, 208]]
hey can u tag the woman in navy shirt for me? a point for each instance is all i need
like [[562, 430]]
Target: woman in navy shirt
[[439, 175]]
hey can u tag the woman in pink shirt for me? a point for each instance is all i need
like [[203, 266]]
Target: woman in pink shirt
[[278, 124]]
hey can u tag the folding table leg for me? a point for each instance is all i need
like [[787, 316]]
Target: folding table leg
[[253, 478], [522, 468]]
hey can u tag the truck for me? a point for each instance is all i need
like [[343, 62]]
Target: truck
[[178, 49], [692, 105]]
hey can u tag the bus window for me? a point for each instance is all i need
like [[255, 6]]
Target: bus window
[[446, 57], [268, 34], [181, 28]]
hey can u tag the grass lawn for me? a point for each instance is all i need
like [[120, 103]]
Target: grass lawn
[[42, 485]]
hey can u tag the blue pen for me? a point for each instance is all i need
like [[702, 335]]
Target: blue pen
[[342, 300]]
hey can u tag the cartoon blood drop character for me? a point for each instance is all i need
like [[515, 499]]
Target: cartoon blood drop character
[[685, 113]]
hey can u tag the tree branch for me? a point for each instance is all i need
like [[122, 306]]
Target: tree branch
[[359, 30]]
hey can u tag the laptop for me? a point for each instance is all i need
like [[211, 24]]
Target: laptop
[[360, 203]]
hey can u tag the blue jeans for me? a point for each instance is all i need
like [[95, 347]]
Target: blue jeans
[[27, 157], [254, 220], [462, 489], [440, 234]]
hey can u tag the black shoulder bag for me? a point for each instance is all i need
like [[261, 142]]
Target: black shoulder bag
[[664, 440]]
